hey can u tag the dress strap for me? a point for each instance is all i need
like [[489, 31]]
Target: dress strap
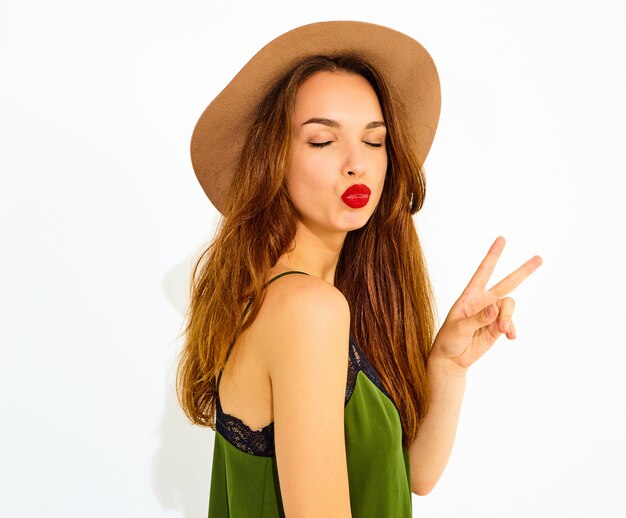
[[248, 307]]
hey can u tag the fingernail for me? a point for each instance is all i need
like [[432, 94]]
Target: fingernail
[[506, 325], [491, 311]]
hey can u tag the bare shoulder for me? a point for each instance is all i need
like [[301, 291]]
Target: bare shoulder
[[308, 321], [300, 300], [308, 363]]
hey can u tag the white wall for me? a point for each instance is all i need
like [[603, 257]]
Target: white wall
[[101, 217]]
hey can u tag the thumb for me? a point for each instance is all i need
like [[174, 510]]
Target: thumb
[[487, 315]]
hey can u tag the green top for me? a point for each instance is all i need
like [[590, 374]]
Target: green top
[[244, 480]]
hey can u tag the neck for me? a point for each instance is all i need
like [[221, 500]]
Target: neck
[[315, 253]]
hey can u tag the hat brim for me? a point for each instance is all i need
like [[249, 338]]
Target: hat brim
[[219, 134]]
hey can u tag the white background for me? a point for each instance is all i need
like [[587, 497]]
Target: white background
[[101, 217]]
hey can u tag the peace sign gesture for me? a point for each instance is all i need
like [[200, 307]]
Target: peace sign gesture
[[480, 315]]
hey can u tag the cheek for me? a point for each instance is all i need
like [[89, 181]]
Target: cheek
[[308, 176], [382, 172]]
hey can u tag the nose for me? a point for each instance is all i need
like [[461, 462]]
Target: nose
[[355, 171], [354, 162]]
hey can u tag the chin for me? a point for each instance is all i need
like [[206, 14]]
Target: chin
[[356, 220]]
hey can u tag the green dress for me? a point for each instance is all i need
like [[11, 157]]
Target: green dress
[[244, 480]]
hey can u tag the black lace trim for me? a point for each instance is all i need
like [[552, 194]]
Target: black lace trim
[[261, 442], [242, 437], [358, 361]]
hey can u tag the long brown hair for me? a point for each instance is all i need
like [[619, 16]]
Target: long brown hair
[[381, 270]]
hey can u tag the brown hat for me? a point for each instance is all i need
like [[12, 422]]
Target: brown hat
[[220, 132]]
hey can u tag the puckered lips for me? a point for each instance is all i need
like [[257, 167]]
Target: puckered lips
[[356, 196]]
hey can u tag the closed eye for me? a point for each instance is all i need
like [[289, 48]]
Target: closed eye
[[324, 144]]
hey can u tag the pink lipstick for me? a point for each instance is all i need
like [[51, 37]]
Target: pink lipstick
[[356, 196]]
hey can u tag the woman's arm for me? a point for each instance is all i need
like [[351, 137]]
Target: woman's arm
[[477, 319], [307, 356], [430, 451]]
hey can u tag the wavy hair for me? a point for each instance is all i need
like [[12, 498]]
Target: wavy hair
[[381, 269]]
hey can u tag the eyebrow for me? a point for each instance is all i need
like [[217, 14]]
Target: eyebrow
[[334, 124]]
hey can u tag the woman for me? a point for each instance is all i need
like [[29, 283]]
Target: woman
[[311, 328]]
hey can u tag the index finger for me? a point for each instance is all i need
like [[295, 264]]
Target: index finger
[[514, 279]]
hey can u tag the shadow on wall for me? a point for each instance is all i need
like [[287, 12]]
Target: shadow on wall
[[181, 468]]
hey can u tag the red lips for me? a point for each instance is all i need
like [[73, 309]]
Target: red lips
[[356, 196]]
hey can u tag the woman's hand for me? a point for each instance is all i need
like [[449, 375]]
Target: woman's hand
[[470, 330]]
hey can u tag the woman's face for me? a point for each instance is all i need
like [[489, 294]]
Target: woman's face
[[338, 141]]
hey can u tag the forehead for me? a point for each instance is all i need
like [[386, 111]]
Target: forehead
[[336, 95]]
